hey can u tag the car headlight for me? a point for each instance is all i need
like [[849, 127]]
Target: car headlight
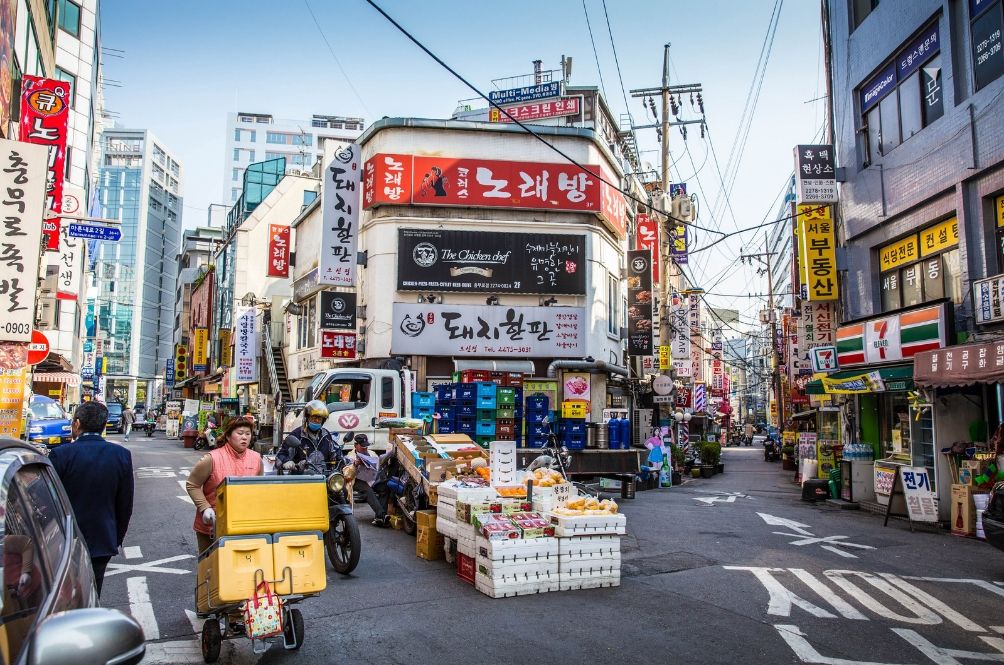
[[67, 428], [336, 482], [35, 430]]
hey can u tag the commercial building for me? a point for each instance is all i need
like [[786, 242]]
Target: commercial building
[[258, 137], [198, 246], [132, 297]]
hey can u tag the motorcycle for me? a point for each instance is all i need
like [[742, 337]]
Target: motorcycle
[[771, 451], [206, 440], [408, 496], [149, 426], [342, 542]]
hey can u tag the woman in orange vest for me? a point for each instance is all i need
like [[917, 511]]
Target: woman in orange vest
[[231, 459]]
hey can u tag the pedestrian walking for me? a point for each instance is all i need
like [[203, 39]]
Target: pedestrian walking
[[230, 459], [97, 477], [128, 419]]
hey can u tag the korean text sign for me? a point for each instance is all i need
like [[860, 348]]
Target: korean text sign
[[22, 179], [477, 330], [338, 344], [817, 252], [539, 110], [640, 297], [647, 237], [680, 334], [921, 501], [246, 345], [278, 250], [817, 176], [340, 217], [200, 352], [44, 115]]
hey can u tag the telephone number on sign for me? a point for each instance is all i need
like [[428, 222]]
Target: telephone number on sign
[[17, 328]]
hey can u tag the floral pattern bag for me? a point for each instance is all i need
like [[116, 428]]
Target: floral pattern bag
[[263, 613]]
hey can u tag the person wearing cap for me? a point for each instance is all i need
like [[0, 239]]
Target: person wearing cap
[[233, 458], [370, 471]]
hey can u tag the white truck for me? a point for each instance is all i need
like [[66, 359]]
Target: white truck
[[358, 399]]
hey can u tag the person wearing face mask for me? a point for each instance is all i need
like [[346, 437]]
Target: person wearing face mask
[[312, 436], [233, 458]]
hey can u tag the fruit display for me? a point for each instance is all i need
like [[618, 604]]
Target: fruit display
[[547, 477], [587, 506], [532, 525], [512, 491]]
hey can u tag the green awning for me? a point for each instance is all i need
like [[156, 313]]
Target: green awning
[[895, 377]]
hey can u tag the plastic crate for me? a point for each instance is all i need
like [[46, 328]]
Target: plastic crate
[[513, 379], [503, 436], [487, 402], [445, 426], [538, 430], [446, 412], [423, 399], [444, 391], [486, 389], [533, 441], [466, 392], [506, 395], [466, 409], [464, 426], [537, 402], [487, 414], [422, 411], [484, 441], [475, 375], [485, 428], [573, 426], [536, 417], [574, 441], [505, 414], [505, 430]]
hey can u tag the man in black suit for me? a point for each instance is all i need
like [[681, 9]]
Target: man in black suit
[[97, 476]]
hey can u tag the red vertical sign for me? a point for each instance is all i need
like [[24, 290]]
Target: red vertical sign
[[278, 250], [647, 237], [45, 107]]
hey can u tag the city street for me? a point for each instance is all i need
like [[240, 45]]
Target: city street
[[734, 569]]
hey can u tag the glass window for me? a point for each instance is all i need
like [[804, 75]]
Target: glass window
[[237, 154], [911, 285], [894, 425], [909, 106], [42, 499], [343, 394], [874, 129], [63, 75], [69, 17], [237, 134], [932, 93], [953, 276], [387, 393], [861, 9], [889, 136], [988, 58], [27, 587], [613, 297], [236, 175]]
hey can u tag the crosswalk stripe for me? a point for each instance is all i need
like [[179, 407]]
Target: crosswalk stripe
[[141, 608]]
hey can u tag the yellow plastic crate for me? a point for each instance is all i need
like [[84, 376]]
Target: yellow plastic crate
[[271, 504], [574, 409], [226, 571], [303, 555]]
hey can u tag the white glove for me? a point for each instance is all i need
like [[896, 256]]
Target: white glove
[[23, 581], [209, 516], [289, 466]]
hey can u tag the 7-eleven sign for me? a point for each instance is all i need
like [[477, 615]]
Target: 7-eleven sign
[[824, 359]]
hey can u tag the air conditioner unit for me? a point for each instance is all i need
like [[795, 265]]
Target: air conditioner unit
[[683, 208]]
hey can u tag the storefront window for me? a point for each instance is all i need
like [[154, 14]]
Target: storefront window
[[894, 425], [921, 268], [999, 223]]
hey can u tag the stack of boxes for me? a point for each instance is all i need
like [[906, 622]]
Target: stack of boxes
[[486, 406], [573, 424], [428, 539], [423, 404], [448, 523], [269, 528], [537, 412]]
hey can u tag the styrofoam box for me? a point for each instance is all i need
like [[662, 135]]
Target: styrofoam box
[[518, 571], [588, 583], [566, 526], [467, 547], [595, 568], [521, 549], [494, 589], [452, 492], [446, 527], [446, 505], [590, 547], [595, 573]]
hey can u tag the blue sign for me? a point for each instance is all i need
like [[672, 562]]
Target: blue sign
[[88, 347], [526, 94], [917, 52], [169, 372], [976, 6], [87, 373], [878, 87], [92, 232]]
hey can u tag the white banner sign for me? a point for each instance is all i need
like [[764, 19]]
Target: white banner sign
[[341, 201], [989, 299], [22, 181], [246, 345], [680, 340], [921, 500], [479, 330]]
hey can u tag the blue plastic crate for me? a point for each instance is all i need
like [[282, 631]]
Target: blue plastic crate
[[446, 412], [466, 409], [574, 440], [536, 417], [444, 391], [486, 389], [466, 391], [465, 425], [487, 402], [538, 430], [485, 428], [446, 426], [423, 399], [519, 394], [536, 441], [573, 426], [537, 402], [422, 411]]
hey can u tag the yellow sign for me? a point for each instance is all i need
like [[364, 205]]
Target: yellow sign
[[939, 237], [200, 354], [868, 382], [817, 252], [226, 349], [899, 253], [664, 361], [12, 382], [1000, 211]]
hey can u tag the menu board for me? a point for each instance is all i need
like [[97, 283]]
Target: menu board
[[639, 293]]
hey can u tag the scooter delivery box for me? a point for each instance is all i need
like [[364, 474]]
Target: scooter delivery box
[[227, 570], [299, 556], [271, 504]]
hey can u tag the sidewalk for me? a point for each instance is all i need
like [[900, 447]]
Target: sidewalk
[[745, 468]]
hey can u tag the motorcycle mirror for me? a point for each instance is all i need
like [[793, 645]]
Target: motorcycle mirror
[[292, 441], [348, 437]]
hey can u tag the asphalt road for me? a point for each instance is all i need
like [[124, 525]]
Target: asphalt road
[[733, 569]]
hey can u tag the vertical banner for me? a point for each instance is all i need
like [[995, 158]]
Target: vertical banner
[[246, 345], [12, 386], [696, 340], [200, 352], [817, 252], [169, 372], [679, 246], [680, 335], [341, 200], [71, 250], [278, 250], [44, 114], [22, 181], [8, 16], [639, 293], [226, 348], [647, 237]]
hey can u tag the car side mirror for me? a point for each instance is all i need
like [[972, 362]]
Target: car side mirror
[[91, 635]]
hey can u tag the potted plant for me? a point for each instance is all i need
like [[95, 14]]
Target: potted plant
[[788, 458], [711, 456], [678, 460]]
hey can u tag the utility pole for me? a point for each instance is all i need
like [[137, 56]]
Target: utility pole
[[765, 258], [666, 91]]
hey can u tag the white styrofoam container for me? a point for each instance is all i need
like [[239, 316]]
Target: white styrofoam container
[[494, 589], [588, 583], [446, 505], [603, 547], [467, 547], [518, 571], [450, 490], [594, 568], [446, 527], [567, 525], [466, 531], [518, 549]]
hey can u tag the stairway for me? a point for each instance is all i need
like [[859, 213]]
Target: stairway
[[279, 379]]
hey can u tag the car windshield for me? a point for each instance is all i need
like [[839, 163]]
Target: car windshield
[[115, 409], [46, 411]]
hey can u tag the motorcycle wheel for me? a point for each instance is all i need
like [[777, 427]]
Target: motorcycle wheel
[[343, 544], [408, 505]]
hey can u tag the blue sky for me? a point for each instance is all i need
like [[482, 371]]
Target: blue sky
[[189, 63]]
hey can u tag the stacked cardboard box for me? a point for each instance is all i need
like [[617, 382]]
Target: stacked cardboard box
[[428, 540]]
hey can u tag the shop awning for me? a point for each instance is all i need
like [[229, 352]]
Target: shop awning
[[804, 414], [960, 365], [893, 378], [70, 379]]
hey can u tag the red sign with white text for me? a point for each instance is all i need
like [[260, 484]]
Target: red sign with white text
[[647, 237], [488, 183], [551, 108], [338, 344], [278, 250], [45, 107]]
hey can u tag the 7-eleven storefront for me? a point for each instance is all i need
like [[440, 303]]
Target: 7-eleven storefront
[[881, 405]]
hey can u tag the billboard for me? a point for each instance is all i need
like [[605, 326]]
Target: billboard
[[340, 194], [640, 297]]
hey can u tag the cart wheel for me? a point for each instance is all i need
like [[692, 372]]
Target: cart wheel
[[293, 630], [211, 641]]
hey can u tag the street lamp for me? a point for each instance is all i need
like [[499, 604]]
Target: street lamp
[[681, 417]]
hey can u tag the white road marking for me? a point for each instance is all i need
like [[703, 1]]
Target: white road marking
[[812, 540], [184, 497], [935, 604], [177, 652], [943, 656], [807, 653], [780, 598], [151, 567], [155, 472], [132, 552], [846, 555], [824, 592], [141, 608], [711, 500], [781, 521], [195, 621], [983, 584], [922, 615]]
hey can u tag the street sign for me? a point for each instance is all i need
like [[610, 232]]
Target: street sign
[[824, 359], [663, 399], [662, 385], [38, 347], [91, 232]]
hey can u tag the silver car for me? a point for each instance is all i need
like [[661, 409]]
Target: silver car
[[49, 612]]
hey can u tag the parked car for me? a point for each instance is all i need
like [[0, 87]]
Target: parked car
[[49, 600], [993, 517], [48, 424], [114, 417]]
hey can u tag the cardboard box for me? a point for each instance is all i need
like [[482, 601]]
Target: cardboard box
[[963, 510], [428, 544], [425, 518], [450, 438], [439, 470]]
